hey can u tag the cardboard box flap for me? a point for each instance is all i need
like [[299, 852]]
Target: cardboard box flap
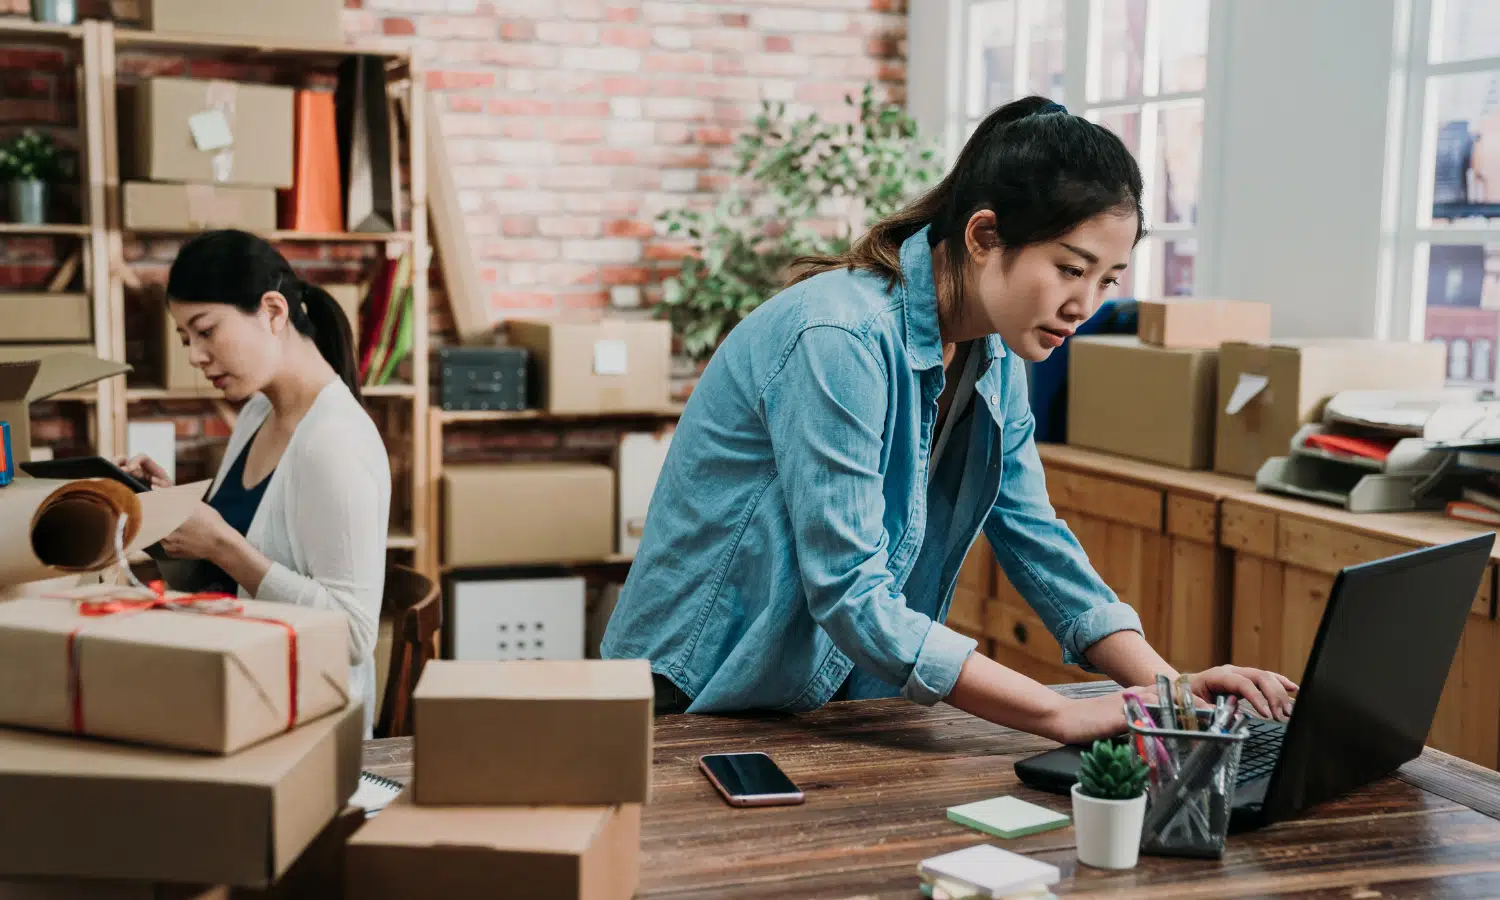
[[569, 830], [595, 679], [67, 371], [16, 379]]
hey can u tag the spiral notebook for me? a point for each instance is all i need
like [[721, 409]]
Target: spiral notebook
[[375, 792]]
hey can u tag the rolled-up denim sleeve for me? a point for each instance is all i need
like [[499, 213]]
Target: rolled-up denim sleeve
[[1039, 553], [826, 411]]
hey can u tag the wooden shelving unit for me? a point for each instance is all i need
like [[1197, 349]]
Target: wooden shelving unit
[[98, 44]]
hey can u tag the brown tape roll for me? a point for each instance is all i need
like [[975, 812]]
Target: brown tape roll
[[73, 530]]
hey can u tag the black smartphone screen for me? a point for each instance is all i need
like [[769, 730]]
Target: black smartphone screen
[[83, 467], [748, 774]]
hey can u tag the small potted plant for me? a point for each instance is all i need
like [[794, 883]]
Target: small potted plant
[[28, 164], [1109, 805]]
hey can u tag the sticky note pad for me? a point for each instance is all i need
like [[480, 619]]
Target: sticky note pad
[[1007, 817]]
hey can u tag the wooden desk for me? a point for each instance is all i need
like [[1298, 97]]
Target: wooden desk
[[879, 776]]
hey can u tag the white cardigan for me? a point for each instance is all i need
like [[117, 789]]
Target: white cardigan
[[323, 520]]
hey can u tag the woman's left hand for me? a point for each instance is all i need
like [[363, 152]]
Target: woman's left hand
[[200, 536], [1268, 693]]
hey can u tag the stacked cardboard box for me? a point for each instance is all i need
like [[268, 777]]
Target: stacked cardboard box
[[529, 777]]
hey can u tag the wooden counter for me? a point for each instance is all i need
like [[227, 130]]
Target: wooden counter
[[879, 775]]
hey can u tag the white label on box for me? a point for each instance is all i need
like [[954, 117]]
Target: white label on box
[[610, 358], [210, 130], [1244, 391]]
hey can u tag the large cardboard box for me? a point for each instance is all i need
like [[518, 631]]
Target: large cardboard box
[[78, 808], [497, 515], [214, 132], [27, 381], [535, 732], [608, 365], [543, 853], [194, 207], [1202, 324], [293, 20], [1269, 390], [174, 357], [638, 463], [184, 679], [45, 316], [1150, 403]]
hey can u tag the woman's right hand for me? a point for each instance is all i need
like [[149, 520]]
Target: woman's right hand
[[146, 469], [1088, 719]]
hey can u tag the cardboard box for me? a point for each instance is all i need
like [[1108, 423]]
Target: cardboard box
[[1147, 402], [27, 381], [293, 20], [555, 853], [79, 889], [45, 316], [538, 732], [608, 365], [216, 683], [1267, 391], [498, 515], [214, 132], [1202, 324], [638, 463], [94, 809], [198, 207], [174, 358]]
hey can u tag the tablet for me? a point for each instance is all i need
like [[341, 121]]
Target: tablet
[[83, 467]]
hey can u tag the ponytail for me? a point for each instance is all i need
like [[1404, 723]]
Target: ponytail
[[317, 315]]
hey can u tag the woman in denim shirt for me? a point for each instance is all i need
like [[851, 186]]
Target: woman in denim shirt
[[852, 436]]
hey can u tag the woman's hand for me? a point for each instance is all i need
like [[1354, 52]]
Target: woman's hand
[[1268, 693], [146, 469], [1092, 718], [202, 536]]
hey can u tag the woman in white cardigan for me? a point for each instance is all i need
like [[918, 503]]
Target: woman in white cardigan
[[298, 510]]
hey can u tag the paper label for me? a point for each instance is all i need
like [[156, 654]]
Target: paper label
[[1245, 390], [610, 358], [210, 130]]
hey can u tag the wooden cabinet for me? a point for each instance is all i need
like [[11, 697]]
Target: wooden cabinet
[[1286, 554]]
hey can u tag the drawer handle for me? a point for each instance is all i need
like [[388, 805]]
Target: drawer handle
[[1020, 632]]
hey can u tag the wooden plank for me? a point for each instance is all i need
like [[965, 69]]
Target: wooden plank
[[1193, 518], [1134, 565], [1305, 596], [1106, 498], [1255, 637], [1327, 548], [976, 583], [1414, 529], [1480, 687], [1484, 600], [467, 298], [1247, 528], [1022, 642], [1202, 485], [1198, 606]]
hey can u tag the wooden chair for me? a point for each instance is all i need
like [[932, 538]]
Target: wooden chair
[[415, 603]]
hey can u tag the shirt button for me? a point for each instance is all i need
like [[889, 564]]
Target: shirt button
[[994, 399]]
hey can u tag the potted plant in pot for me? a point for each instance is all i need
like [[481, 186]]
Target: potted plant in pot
[[1109, 805], [28, 165]]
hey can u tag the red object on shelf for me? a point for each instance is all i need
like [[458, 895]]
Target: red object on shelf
[[1369, 448], [315, 201]]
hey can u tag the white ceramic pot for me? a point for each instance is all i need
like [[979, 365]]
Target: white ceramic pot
[[1108, 831]]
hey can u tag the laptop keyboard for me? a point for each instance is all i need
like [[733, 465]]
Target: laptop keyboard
[[1261, 749]]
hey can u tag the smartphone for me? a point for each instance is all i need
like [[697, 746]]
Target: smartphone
[[83, 467], [750, 779]]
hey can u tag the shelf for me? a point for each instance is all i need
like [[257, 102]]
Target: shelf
[[141, 39], [49, 230], [389, 390], [397, 541], [133, 395], [540, 415], [307, 237], [33, 32]]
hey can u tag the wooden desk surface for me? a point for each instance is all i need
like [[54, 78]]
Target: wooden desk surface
[[880, 774], [1205, 485]]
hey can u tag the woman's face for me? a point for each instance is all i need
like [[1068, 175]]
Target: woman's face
[[1035, 297], [239, 352]]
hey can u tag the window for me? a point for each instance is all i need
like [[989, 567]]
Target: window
[[1138, 67], [1447, 233]]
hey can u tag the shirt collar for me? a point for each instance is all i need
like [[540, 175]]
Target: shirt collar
[[924, 340]]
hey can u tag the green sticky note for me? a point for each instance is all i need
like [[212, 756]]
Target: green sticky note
[[1007, 817]]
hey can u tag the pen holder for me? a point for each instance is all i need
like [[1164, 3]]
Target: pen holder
[[1191, 791]]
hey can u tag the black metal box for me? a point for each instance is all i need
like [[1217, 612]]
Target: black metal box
[[483, 378]]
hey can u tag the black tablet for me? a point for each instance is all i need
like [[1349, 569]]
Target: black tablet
[[83, 467]]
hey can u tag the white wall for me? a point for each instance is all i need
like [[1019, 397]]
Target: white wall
[[1304, 115]]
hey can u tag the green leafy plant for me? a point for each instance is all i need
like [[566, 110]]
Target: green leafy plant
[[1111, 771], [804, 186], [30, 155]]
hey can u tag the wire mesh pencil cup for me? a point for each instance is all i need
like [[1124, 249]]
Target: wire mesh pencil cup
[[1189, 798]]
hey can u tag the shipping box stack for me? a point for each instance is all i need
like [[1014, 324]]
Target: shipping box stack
[[529, 777]]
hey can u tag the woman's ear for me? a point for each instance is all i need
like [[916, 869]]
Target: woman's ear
[[980, 237], [278, 311]]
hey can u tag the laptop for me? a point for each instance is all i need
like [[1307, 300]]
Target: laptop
[[1357, 717]]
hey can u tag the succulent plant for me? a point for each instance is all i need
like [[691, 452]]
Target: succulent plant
[[1112, 772]]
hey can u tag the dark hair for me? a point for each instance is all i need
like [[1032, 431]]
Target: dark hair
[[1040, 170], [238, 268]]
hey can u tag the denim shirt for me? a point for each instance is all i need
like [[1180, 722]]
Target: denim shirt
[[794, 542]]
